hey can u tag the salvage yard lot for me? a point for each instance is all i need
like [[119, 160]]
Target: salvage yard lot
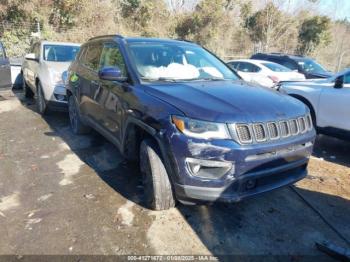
[[67, 194]]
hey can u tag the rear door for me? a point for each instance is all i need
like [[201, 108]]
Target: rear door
[[112, 93], [334, 106], [5, 69]]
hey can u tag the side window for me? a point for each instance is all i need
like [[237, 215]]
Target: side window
[[111, 57], [234, 65], [347, 78], [290, 65], [92, 56], [2, 52], [248, 67]]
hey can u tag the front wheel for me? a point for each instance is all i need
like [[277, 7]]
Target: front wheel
[[76, 124], [157, 186], [41, 102]]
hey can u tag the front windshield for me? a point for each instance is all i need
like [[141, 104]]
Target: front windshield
[[276, 67], [167, 61], [60, 53], [311, 66]]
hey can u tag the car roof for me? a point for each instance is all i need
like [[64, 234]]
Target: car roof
[[58, 43], [253, 61], [143, 39], [282, 55]]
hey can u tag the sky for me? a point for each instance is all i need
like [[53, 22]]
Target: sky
[[335, 9]]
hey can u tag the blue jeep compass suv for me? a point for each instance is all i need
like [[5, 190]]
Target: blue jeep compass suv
[[199, 132]]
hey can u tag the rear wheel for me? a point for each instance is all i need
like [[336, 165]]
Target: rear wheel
[[40, 101], [76, 124], [157, 186], [28, 93]]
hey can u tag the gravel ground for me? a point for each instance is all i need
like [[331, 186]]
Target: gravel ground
[[63, 194]]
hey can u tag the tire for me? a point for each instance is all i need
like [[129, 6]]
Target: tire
[[40, 100], [28, 93], [76, 124], [157, 186]]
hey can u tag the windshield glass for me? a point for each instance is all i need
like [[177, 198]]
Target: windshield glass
[[311, 66], [276, 67], [60, 53], [167, 61]]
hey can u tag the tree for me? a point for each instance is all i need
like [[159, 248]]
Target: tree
[[267, 26], [313, 32]]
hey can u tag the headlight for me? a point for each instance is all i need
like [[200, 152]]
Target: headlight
[[201, 129]]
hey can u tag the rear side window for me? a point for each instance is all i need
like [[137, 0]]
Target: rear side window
[[92, 56], [112, 57], [276, 67], [248, 67]]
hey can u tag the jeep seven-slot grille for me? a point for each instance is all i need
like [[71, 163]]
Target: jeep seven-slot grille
[[262, 132]]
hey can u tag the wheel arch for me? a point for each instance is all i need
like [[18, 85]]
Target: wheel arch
[[309, 105]]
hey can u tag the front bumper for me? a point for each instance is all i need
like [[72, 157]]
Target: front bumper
[[247, 185], [256, 168]]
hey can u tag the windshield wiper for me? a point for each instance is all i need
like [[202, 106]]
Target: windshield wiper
[[159, 79]]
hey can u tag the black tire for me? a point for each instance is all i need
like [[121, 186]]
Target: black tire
[[76, 124], [28, 93], [157, 186], [41, 103]]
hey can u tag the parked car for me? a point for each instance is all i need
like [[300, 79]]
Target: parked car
[[44, 71], [264, 73], [5, 69], [304, 65], [197, 130], [328, 101]]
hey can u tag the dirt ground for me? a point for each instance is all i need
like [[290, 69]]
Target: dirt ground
[[67, 194]]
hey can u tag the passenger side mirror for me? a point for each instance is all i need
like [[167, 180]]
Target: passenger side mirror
[[339, 82], [111, 74], [31, 57]]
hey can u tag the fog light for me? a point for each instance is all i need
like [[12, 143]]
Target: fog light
[[209, 169]]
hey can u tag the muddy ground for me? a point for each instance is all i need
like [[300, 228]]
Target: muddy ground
[[67, 194]]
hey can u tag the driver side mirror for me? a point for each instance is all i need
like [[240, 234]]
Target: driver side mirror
[[111, 74], [31, 57], [339, 82]]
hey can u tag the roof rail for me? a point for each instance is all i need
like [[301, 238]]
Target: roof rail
[[103, 36]]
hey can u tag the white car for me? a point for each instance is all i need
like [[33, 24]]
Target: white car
[[328, 100], [264, 73], [44, 71]]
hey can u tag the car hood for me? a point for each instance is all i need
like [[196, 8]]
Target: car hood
[[59, 67], [321, 75], [227, 101]]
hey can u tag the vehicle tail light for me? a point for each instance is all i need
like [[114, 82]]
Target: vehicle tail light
[[274, 79]]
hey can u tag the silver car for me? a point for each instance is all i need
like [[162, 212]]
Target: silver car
[[44, 72]]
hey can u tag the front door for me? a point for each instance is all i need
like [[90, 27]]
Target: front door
[[334, 106], [112, 92], [5, 69]]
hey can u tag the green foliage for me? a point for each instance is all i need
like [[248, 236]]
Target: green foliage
[[314, 32]]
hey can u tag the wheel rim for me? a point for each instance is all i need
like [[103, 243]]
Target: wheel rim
[[73, 115]]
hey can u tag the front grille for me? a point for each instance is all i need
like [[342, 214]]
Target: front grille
[[244, 134], [273, 130], [284, 129], [302, 125], [263, 132], [259, 131], [293, 124], [309, 122]]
